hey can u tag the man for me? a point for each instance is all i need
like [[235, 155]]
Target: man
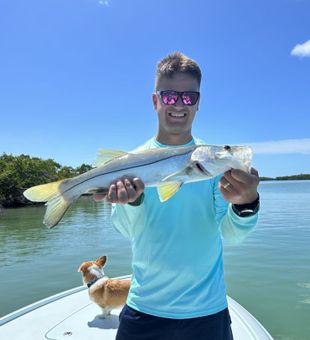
[[177, 289]]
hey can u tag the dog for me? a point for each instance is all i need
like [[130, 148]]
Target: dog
[[106, 293]]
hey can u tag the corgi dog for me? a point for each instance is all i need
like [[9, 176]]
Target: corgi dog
[[106, 293]]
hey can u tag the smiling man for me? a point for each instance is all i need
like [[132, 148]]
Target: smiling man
[[177, 290], [176, 108]]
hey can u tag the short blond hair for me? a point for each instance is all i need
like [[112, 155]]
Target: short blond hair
[[174, 63]]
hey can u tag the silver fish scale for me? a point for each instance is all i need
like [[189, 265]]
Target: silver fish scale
[[152, 166]]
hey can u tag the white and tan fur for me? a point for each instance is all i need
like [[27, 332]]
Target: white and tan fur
[[106, 293]]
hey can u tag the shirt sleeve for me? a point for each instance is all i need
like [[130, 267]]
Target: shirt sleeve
[[233, 227], [126, 218]]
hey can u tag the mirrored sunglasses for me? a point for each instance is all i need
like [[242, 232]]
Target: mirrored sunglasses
[[170, 97]]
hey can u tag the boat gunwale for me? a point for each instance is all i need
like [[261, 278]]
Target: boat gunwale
[[43, 302], [245, 318]]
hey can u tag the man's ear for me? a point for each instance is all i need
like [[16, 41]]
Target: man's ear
[[198, 104], [155, 101]]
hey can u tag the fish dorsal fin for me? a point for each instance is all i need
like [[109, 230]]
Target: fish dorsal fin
[[167, 190], [105, 155]]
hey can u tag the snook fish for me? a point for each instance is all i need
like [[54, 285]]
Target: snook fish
[[165, 168]]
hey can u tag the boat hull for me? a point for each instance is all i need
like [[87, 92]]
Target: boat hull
[[71, 315]]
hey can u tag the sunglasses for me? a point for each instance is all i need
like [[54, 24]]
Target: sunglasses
[[170, 97]]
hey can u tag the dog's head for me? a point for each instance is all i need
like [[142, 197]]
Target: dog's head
[[92, 270]]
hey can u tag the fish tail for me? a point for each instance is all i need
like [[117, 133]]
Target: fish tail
[[43, 192], [56, 208], [56, 204]]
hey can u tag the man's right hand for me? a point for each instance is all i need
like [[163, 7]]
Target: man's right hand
[[123, 190]]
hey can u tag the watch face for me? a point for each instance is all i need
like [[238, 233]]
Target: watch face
[[246, 210]]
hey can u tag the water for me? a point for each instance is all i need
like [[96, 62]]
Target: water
[[269, 273]]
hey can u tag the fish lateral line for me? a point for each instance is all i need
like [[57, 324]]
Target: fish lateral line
[[119, 170]]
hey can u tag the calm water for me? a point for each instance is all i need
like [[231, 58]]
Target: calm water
[[269, 273]]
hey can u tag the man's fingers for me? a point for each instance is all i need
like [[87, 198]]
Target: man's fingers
[[227, 187], [254, 172], [122, 195], [112, 196], [139, 185], [228, 178], [239, 175], [125, 190], [244, 177], [131, 192]]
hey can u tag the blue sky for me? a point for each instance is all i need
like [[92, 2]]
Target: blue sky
[[77, 75]]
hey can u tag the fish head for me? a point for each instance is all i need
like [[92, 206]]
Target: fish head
[[212, 160]]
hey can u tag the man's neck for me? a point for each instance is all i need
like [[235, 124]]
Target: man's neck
[[174, 139]]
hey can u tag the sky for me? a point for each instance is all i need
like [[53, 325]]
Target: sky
[[77, 76]]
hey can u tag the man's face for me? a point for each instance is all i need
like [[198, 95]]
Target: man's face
[[175, 121]]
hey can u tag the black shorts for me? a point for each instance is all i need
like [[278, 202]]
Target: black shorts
[[135, 325]]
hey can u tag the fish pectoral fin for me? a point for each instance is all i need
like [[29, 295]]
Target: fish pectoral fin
[[167, 190], [166, 179], [104, 156]]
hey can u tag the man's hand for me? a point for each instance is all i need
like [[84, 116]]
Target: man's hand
[[239, 187], [123, 190]]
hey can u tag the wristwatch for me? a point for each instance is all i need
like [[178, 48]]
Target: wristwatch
[[246, 210], [138, 201]]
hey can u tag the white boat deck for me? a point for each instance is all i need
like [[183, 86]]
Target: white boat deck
[[71, 315]]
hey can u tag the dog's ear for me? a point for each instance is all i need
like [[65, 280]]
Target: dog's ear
[[101, 261], [82, 267]]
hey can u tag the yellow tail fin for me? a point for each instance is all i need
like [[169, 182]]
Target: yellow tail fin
[[43, 192], [56, 208], [56, 203]]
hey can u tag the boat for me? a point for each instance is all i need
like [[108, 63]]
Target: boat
[[71, 315]]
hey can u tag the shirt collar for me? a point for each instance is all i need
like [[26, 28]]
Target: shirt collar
[[157, 144]]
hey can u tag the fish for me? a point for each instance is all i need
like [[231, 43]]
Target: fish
[[165, 168]]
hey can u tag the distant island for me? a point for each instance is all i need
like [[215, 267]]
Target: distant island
[[287, 178], [18, 173]]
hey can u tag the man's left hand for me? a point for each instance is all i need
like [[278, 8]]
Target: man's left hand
[[239, 187]]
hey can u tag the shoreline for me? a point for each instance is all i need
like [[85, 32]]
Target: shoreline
[[40, 204]]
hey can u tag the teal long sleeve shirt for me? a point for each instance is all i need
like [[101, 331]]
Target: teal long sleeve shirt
[[177, 248]]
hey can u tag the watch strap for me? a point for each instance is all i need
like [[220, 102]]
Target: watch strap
[[245, 210], [138, 201]]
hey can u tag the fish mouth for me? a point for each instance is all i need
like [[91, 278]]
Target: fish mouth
[[202, 169]]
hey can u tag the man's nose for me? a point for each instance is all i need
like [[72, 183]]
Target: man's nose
[[179, 102]]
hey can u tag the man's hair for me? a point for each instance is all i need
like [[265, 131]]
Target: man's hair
[[175, 63]]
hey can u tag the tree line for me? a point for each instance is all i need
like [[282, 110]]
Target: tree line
[[287, 178], [18, 173]]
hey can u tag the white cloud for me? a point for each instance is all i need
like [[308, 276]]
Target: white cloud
[[104, 2], [282, 146], [301, 50]]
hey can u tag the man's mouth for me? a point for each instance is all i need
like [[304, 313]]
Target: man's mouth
[[177, 114]]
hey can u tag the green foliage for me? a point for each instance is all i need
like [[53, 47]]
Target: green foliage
[[286, 178], [66, 172], [83, 168], [266, 179], [294, 177], [18, 173]]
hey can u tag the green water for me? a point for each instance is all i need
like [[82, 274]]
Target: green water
[[269, 273]]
